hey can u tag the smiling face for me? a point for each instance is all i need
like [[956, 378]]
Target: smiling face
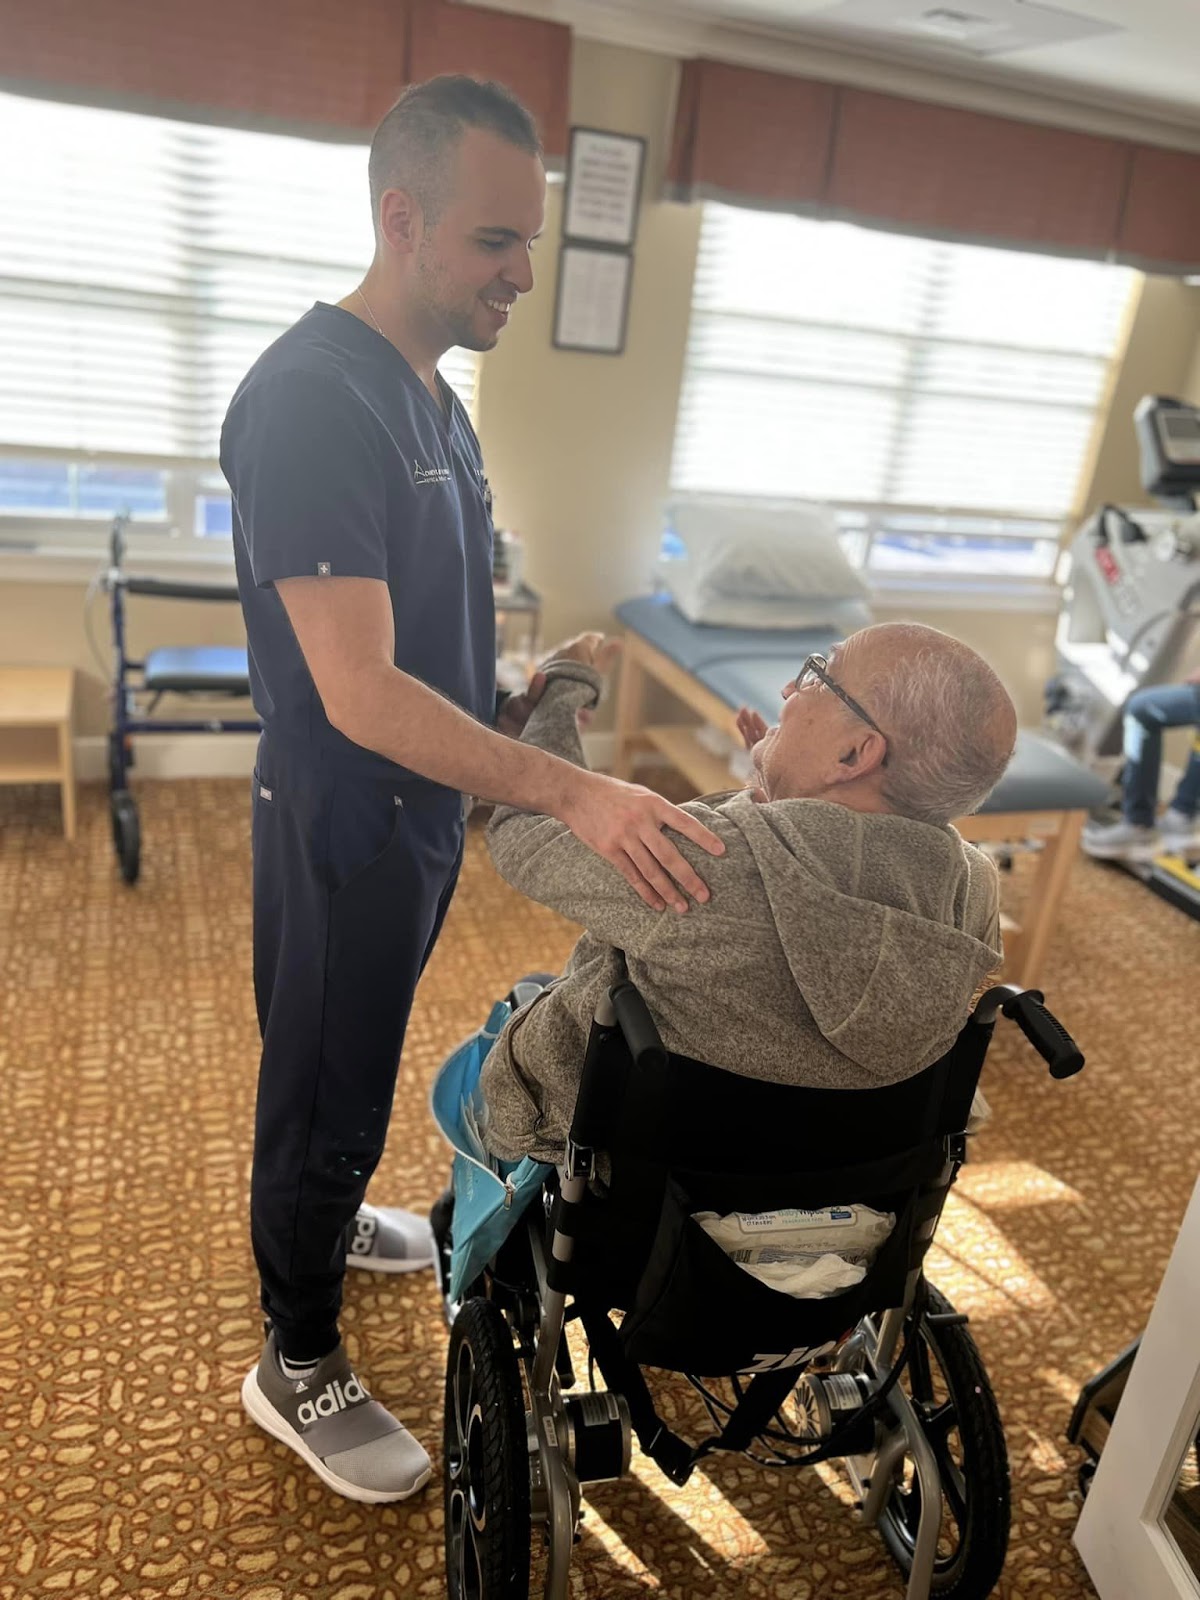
[[474, 259], [819, 745]]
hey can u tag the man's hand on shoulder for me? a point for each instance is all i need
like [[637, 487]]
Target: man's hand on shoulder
[[624, 823]]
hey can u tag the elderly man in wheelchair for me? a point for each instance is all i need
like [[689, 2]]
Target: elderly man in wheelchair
[[736, 1128]]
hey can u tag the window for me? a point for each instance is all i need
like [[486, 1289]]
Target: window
[[940, 396], [144, 265]]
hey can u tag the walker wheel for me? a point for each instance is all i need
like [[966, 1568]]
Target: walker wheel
[[127, 834]]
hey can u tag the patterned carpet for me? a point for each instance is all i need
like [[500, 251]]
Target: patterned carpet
[[127, 1297]]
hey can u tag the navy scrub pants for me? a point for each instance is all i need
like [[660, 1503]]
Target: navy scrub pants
[[352, 878]]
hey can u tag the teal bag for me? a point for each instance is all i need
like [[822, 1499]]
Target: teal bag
[[489, 1200]]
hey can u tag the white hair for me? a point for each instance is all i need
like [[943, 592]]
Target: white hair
[[949, 724]]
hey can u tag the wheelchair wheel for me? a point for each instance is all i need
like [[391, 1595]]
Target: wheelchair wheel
[[487, 1460], [127, 834], [952, 1396]]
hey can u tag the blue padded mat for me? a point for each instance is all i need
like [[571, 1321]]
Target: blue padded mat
[[747, 666], [197, 669], [695, 644]]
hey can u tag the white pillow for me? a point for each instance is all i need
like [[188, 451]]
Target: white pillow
[[765, 552], [711, 606]]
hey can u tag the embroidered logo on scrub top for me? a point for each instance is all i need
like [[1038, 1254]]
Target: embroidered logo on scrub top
[[324, 568], [430, 474]]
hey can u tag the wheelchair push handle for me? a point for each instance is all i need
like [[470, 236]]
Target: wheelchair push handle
[[1027, 1008], [116, 540], [1045, 1033]]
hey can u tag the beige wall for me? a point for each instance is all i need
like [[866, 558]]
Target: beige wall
[[1162, 357], [578, 447], [1192, 388], [43, 624]]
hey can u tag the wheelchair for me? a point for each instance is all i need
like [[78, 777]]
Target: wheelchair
[[883, 1376]]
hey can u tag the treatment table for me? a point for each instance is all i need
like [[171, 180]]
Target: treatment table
[[1044, 795]]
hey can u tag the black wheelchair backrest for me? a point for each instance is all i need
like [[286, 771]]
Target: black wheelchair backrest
[[682, 1136]]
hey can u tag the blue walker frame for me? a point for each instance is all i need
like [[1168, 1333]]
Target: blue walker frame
[[195, 673]]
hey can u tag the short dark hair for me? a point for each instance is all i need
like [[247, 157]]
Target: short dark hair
[[412, 145]]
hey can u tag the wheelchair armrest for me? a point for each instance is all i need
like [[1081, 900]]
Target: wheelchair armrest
[[636, 1023], [598, 1096], [622, 1032]]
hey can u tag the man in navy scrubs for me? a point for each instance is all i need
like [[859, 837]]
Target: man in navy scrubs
[[362, 535]]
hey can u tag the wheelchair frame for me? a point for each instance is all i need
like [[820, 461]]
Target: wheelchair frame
[[128, 719], [872, 1442]]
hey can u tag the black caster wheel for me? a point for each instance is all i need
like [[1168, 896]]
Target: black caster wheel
[[127, 834]]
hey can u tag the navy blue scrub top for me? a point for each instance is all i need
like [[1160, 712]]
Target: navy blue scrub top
[[342, 464]]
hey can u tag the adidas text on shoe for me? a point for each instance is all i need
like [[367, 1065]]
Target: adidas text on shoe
[[329, 1419], [386, 1239]]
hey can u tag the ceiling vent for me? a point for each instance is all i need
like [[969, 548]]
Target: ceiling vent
[[966, 27]]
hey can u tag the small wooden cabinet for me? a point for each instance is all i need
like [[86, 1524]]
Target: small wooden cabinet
[[35, 731]]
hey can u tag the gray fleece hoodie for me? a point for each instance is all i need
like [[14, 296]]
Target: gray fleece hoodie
[[838, 950]]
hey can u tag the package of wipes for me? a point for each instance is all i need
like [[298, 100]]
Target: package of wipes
[[807, 1254]]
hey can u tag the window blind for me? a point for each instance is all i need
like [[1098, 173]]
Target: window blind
[[924, 383], [145, 264]]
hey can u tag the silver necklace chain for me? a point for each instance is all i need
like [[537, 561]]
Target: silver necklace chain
[[438, 400], [371, 314]]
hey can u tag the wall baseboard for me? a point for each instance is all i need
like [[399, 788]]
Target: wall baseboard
[[173, 755]]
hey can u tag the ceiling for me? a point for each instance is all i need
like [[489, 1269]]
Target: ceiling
[[1135, 58]]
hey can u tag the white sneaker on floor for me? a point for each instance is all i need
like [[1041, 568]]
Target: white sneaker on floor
[[1180, 833], [1121, 841], [386, 1239]]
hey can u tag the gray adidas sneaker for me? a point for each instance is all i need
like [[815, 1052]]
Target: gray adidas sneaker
[[386, 1239], [331, 1422]]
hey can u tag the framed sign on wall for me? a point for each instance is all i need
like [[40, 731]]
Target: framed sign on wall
[[591, 308], [604, 186]]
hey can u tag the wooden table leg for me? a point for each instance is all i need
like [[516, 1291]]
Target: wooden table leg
[[631, 708], [1045, 892], [66, 763]]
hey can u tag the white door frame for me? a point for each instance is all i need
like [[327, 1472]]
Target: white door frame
[[1128, 1553]]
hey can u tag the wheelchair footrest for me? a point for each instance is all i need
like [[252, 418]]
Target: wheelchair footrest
[[673, 1455]]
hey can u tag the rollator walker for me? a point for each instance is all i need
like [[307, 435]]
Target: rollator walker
[[883, 1376], [204, 671]]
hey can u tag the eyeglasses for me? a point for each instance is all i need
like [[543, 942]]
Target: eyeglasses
[[817, 667]]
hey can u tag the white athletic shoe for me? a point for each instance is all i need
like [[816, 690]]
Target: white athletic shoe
[[1121, 841], [1180, 833], [386, 1239]]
